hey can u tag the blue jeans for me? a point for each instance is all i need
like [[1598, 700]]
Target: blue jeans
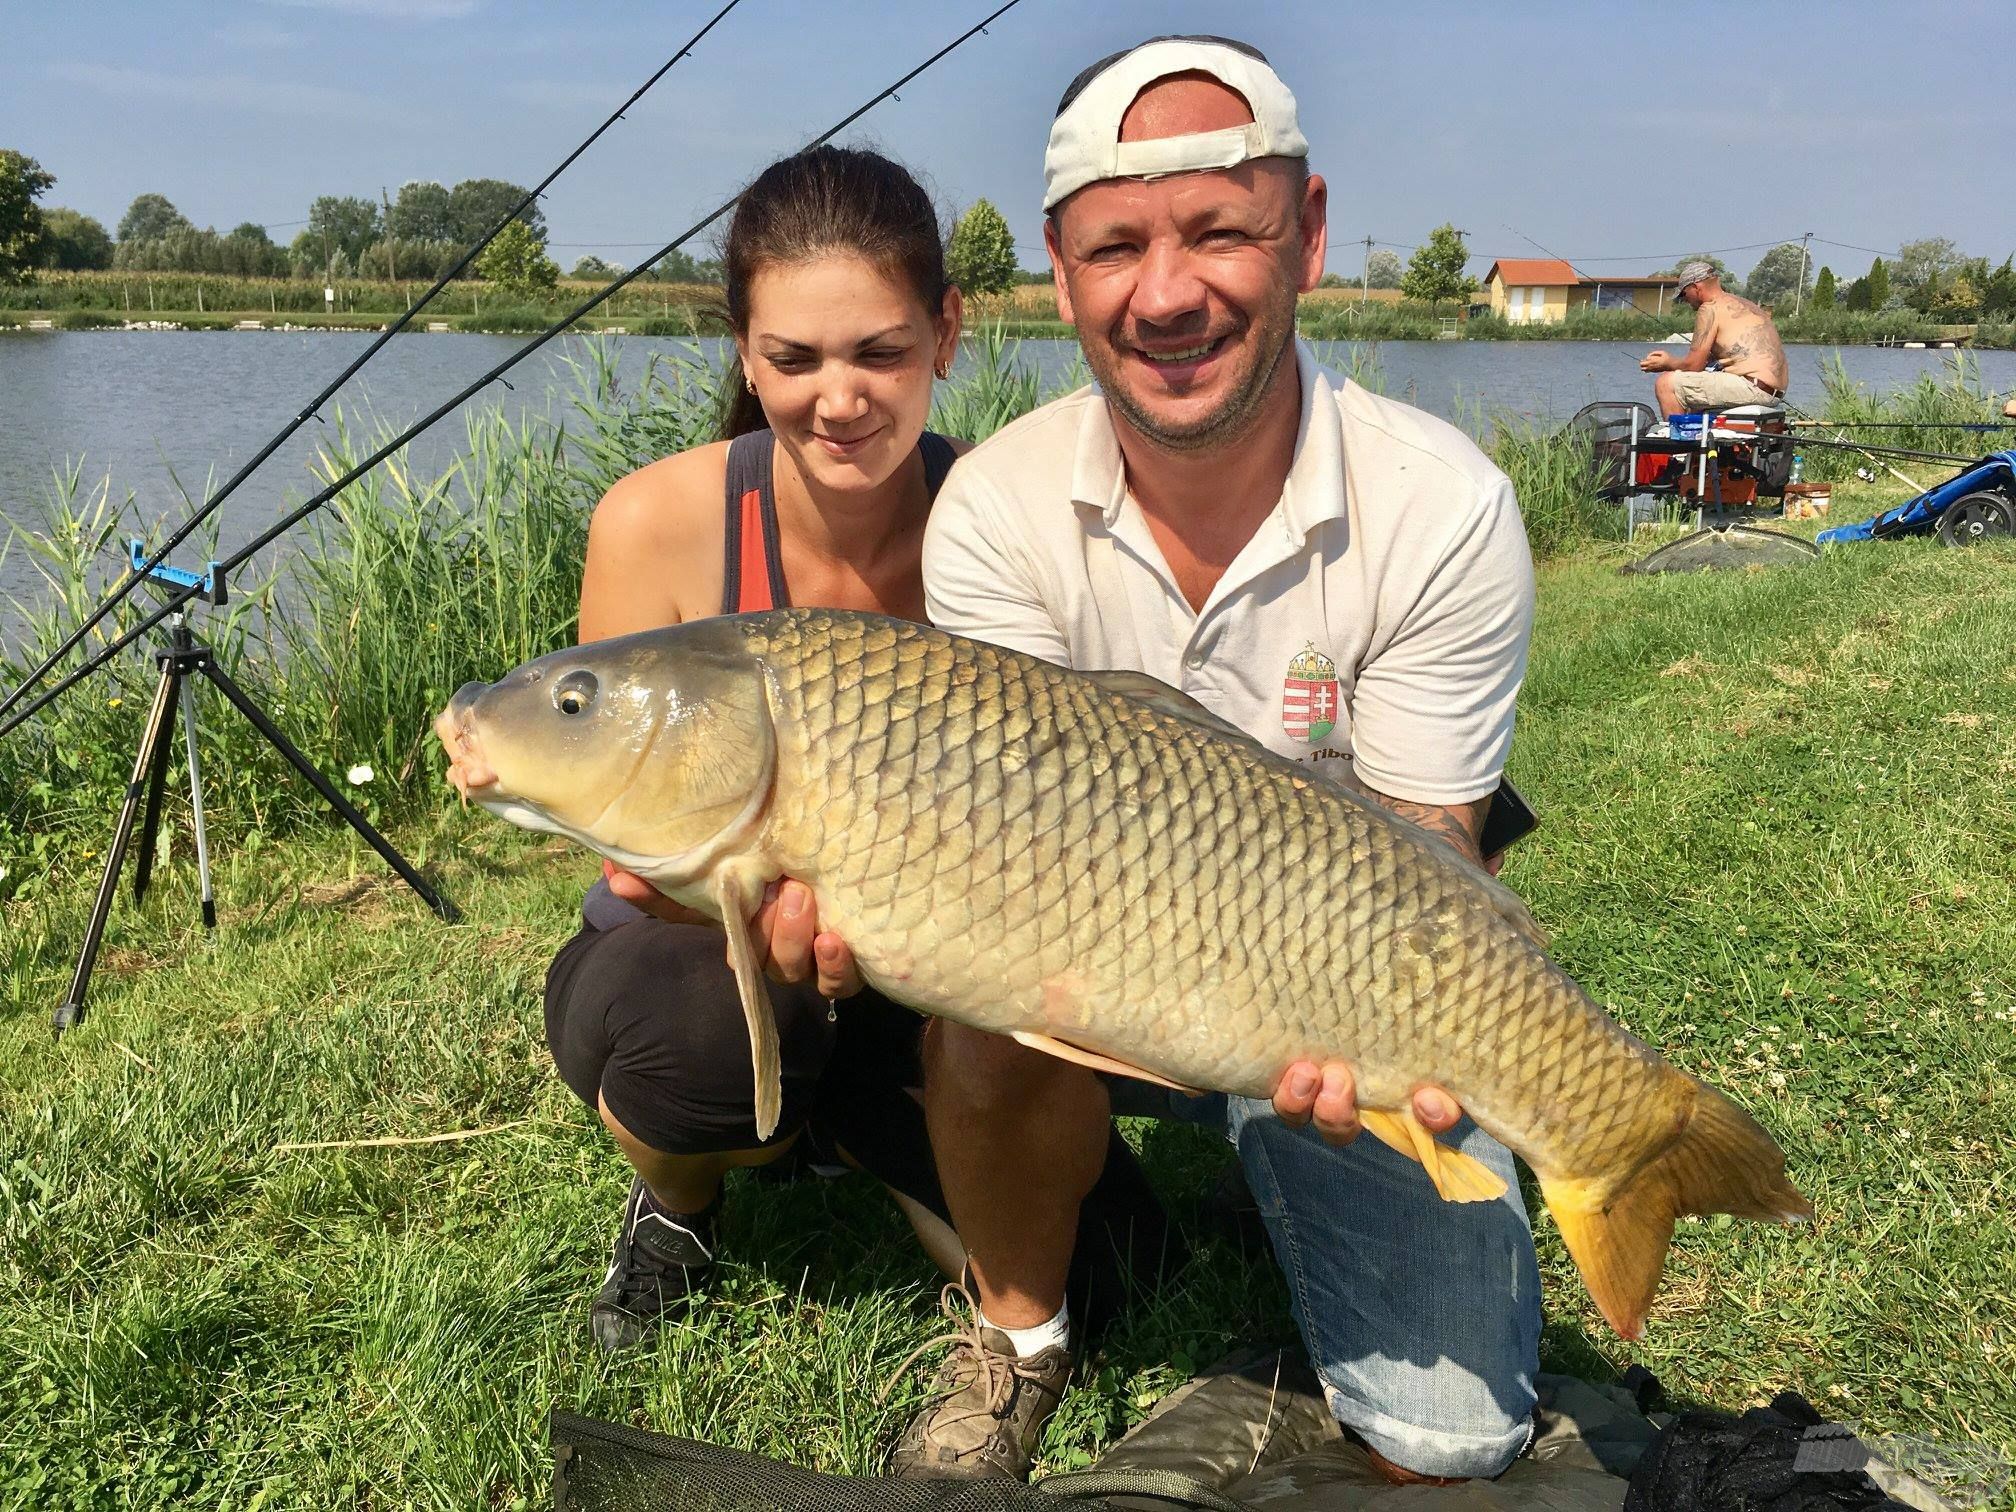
[[1421, 1316]]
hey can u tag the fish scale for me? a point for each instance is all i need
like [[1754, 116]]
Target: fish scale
[[1097, 865]]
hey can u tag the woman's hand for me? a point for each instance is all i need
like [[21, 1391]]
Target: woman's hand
[[1328, 1095]]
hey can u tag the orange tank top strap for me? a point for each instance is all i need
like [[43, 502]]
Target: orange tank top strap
[[752, 569], [752, 575]]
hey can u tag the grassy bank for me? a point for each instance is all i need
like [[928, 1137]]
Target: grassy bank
[[1777, 818], [199, 301]]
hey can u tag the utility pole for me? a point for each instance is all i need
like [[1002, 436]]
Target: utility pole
[[1365, 275], [1799, 294], [391, 245]]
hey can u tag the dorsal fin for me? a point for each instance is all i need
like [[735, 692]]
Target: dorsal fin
[[1163, 699]]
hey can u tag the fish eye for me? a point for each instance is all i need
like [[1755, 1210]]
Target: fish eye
[[575, 692]]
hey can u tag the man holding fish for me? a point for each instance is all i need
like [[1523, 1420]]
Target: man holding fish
[[1341, 577], [1088, 829]]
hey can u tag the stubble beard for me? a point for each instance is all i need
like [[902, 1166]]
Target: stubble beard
[[1231, 419]]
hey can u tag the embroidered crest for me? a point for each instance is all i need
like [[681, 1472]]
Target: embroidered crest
[[1309, 695]]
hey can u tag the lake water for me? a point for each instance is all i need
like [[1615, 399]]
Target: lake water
[[152, 409]]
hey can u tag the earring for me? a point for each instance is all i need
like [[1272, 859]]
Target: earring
[[942, 370], [749, 384]]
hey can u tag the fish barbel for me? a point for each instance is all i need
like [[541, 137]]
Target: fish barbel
[[1097, 866]]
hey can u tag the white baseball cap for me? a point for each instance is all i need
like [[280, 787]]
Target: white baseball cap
[[1085, 145]]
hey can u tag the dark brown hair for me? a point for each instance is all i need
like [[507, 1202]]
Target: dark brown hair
[[811, 204]]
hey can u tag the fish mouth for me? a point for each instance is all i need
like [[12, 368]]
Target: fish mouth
[[455, 727]]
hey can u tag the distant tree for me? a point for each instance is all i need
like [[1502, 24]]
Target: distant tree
[[593, 267], [343, 223], [1776, 280], [1879, 285], [73, 240], [22, 182], [1382, 270], [310, 256], [421, 213], [1920, 268], [150, 216], [1435, 272], [1334, 281], [475, 205], [1824, 290], [517, 262], [678, 267], [1953, 296], [251, 231], [1998, 295], [980, 257], [408, 258], [192, 251], [1857, 296]]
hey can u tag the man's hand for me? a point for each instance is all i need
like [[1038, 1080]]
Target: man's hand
[[785, 929], [1658, 362], [794, 949], [1329, 1095], [634, 890]]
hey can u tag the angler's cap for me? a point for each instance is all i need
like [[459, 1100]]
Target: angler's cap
[[1085, 145], [1694, 272]]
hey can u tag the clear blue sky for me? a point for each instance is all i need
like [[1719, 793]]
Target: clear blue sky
[[1615, 135]]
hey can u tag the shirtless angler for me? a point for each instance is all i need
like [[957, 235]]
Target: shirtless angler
[[1730, 332]]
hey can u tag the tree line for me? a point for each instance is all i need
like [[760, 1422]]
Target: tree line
[[1930, 277], [420, 233]]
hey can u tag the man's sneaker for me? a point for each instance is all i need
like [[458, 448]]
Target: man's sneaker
[[661, 1260], [988, 1405]]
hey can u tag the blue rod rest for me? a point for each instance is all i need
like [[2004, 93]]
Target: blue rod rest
[[209, 585]]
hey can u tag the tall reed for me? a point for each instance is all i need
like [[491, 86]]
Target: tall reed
[[1956, 393]]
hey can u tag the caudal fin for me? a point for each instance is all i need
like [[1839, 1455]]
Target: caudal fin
[[1723, 1162]]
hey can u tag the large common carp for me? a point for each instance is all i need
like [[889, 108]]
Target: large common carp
[[1101, 868]]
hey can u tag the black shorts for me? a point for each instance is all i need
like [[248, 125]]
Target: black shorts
[[646, 1017]]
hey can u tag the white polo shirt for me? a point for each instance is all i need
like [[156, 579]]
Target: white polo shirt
[[1379, 615]]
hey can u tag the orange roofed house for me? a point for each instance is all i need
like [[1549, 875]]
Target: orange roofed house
[[1527, 290]]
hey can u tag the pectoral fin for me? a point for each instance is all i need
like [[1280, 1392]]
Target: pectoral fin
[[1094, 1060], [730, 897], [1457, 1177]]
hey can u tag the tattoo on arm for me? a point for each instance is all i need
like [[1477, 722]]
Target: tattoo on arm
[[1456, 824]]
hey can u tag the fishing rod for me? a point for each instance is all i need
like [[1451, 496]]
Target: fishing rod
[[141, 571], [177, 597], [1916, 425]]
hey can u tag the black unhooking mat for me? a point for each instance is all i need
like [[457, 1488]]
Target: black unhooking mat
[[1254, 1435]]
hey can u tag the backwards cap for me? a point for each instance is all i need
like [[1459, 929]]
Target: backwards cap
[[1085, 145]]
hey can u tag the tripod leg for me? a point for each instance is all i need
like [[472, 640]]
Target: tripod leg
[[157, 783], [351, 815], [72, 1010], [196, 804]]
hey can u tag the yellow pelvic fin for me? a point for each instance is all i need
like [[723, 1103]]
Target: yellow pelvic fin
[[1093, 1059], [1722, 1161], [1457, 1177], [731, 897]]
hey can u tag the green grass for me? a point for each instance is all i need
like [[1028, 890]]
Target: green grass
[[1776, 820]]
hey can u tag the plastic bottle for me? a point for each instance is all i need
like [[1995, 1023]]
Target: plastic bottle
[[1798, 468]]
